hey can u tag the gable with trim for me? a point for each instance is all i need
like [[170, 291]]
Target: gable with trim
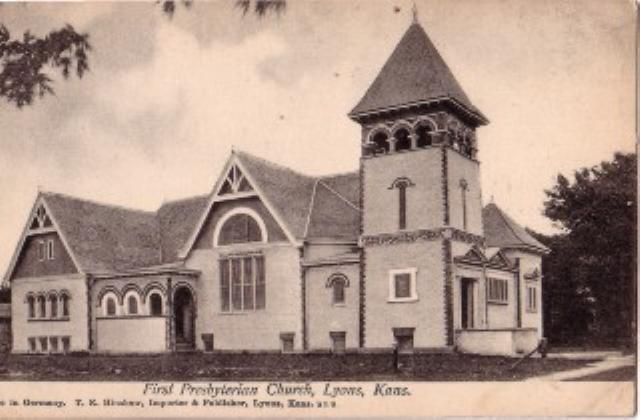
[[41, 252]]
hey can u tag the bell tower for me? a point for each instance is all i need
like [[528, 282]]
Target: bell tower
[[421, 197]]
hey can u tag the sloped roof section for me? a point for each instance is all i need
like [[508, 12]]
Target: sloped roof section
[[415, 72], [332, 216], [346, 185], [176, 220], [502, 231], [288, 191], [103, 237]]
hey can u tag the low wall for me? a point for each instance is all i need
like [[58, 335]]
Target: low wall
[[131, 335], [503, 342]]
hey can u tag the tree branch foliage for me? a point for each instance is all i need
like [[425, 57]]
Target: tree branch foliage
[[261, 7], [590, 273], [25, 62]]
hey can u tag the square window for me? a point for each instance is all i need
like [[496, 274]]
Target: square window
[[44, 344], [286, 340], [66, 344], [53, 342], [402, 285], [32, 344], [497, 290], [338, 341]]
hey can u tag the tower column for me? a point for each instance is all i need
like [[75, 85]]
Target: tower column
[[392, 144]]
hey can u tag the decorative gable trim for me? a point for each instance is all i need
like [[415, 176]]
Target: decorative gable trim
[[40, 202], [474, 256], [215, 197], [500, 260]]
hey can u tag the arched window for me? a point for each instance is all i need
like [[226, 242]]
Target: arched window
[[238, 226], [132, 305], [403, 142], [42, 307], [31, 303], [64, 304], [53, 306], [110, 306], [155, 304], [424, 133], [338, 291], [338, 282], [401, 184], [381, 142]]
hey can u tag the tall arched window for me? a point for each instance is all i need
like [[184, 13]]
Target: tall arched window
[[31, 303], [42, 307], [238, 226], [338, 283], [403, 141], [401, 184], [53, 306], [110, 306], [155, 304], [132, 305], [64, 304]]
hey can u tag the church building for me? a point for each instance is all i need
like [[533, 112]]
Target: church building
[[398, 252]]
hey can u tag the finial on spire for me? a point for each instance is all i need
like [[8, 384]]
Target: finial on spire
[[414, 11], [492, 199]]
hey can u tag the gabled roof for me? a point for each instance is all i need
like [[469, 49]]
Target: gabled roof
[[414, 73], [176, 221], [502, 231], [311, 207], [105, 237], [288, 191]]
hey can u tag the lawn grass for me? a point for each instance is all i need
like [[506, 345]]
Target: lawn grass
[[286, 367]]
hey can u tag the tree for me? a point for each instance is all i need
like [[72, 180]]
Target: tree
[[26, 62], [595, 255]]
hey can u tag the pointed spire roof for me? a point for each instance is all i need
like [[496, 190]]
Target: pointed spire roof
[[415, 73]]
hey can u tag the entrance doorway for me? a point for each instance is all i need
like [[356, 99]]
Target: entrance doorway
[[184, 318], [466, 302]]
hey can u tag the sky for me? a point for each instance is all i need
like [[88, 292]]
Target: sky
[[166, 99]]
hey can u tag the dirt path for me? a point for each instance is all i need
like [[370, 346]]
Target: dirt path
[[610, 362]]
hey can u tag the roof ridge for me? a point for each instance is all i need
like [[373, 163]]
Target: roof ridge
[[273, 164], [354, 172], [184, 199], [97, 203], [311, 203], [340, 196]]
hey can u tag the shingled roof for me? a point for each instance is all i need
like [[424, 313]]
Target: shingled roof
[[105, 237], [311, 207], [502, 231], [414, 73]]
